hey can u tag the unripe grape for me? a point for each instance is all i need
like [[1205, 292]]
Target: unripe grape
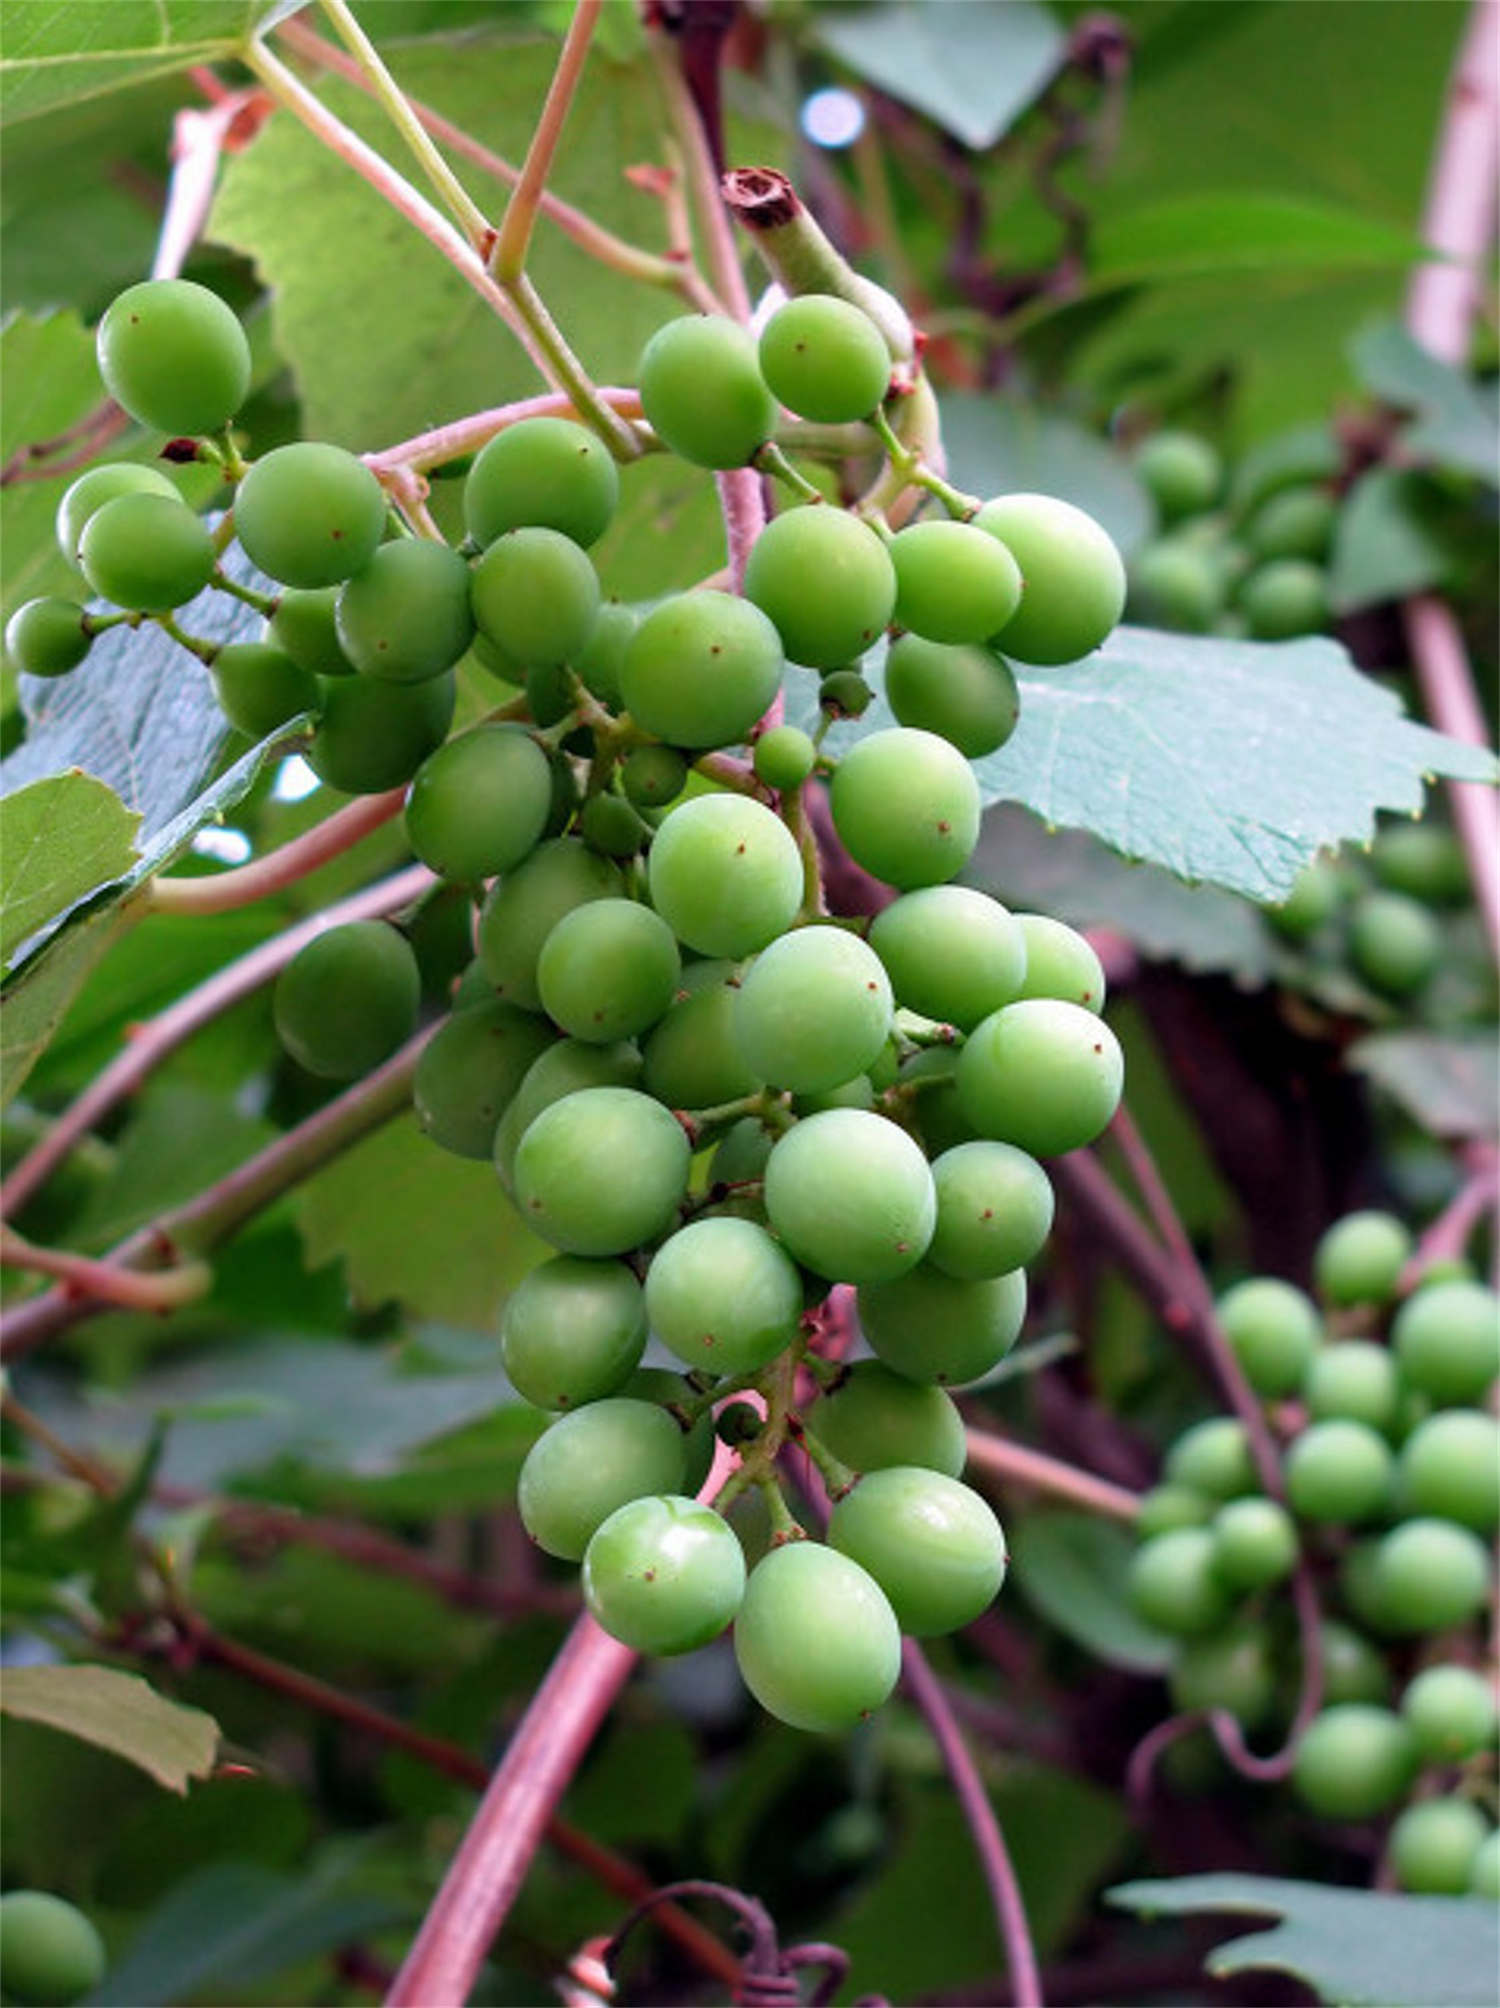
[[664, 1575], [653, 776], [305, 627], [406, 616], [528, 902], [1433, 1846], [825, 359], [1182, 472], [1394, 942], [813, 1010], [701, 669], [875, 1417], [723, 1296], [591, 1462], [477, 805], [693, 1060], [1355, 1379], [50, 1953], [1166, 1507], [1424, 861], [535, 594], [1041, 1074], [656, 1384], [608, 823], [1447, 1341], [1255, 1543], [1353, 1669], [784, 757], [562, 1069], [1360, 1258], [1060, 963], [47, 637], [90, 492], [309, 514], [1430, 1575], [725, 874], [608, 970], [601, 1171], [373, 736], [146, 552], [543, 473], [174, 356], [816, 1640], [845, 694], [824, 580], [1172, 1583], [1230, 1669], [1316, 895], [1297, 523], [703, 393], [1450, 1467], [954, 583], [933, 1545], [1175, 585], [1284, 598], [951, 953], [1353, 1761], [1073, 578], [941, 1329], [471, 1069], [1274, 1330], [851, 1196], [1452, 1712], [1214, 1458], [260, 689], [598, 661], [1484, 1873], [573, 1332], [347, 1000], [906, 806], [1338, 1473], [994, 1210], [966, 694]]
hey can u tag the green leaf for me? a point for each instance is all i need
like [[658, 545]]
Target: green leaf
[[36, 1002], [1447, 1082], [1386, 542], [1452, 424], [1234, 232], [971, 65], [51, 381], [59, 839], [997, 445], [1357, 1948], [117, 1712], [1071, 1567], [55, 55], [1305, 453]]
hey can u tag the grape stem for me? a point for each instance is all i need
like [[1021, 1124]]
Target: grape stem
[[105, 1283], [508, 255], [1448, 1236], [263, 603], [204, 650], [838, 1477], [911, 471], [464, 436], [223, 892], [771, 460], [1016, 1464]]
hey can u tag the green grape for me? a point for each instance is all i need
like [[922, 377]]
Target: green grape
[[994, 1209], [813, 1010], [373, 736], [1353, 1669], [723, 1296], [406, 616], [951, 953], [853, 1094], [1450, 1467], [563, 1069], [1452, 1713], [1316, 895], [1355, 1379], [1041, 1074], [664, 1575], [608, 824], [1424, 861], [1230, 1669], [598, 662], [656, 1384], [1060, 963], [535, 594], [741, 1156], [701, 669], [591, 1462], [1182, 472], [1284, 598], [1429, 1575], [1354, 1760], [1484, 1874], [543, 473], [703, 393], [693, 1060], [1360, 1258], [954, 583], [441, 932], [1362, 1588], [1394, 942], [260, 689], [931, 1074], [964, 693], [784, 757], [844, 694], [100, 485], [573, 1332], [48, 637], [529, 901], [1447, 1341], [174, 356], [725, 875], [146, 552], [472, 988], [653, 776], [1166, 1507], [471, 1069], [309, 514], [1274, 1330], [851, 1196], [1338, 1473], [348, 999], [478, 805], [305, 627], [816, 1640], [549, 693], [1255, 1543], [1214, 1458], [1297, 523], [1174, 585], [906, 806], [874, 1418], [936, 1328], [607, 970], [1172, 1583], [825, 359], [932, 1545], [1433, 1846], [601, 1171], [50, 1953], [1074, 590], [824, 580]]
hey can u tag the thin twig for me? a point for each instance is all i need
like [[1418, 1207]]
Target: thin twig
[[725, 274], [466, 435], [1448, 1236], [508, 259], [223, 892], [1149, 1184], [104, 1283], [1016, 1464]]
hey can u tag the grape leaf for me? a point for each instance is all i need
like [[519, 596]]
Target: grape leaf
[[55, 55], [1448, 1082], [59, 839], [1234, 232], [1071, 1566], [51, 381], [36, 1001], [1451, 423], [1358, 1948], [1387, 542], [117, 1712], [995, 445]]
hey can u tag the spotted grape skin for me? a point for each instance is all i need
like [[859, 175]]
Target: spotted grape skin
[[825, 359], [664, 1575], [592, 1461], [703, 393], [174, 355], [309, 514], [906, 806], [546, 473], [825, 581], [816, 1639], [932, 1545], [347, 1000]]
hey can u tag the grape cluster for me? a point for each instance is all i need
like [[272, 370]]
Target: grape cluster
[[713, 1100], [1390, 1466], [50, 1953]]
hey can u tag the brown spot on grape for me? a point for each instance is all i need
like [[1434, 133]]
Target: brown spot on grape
[[945, 829], [739, 850], [903, 1247], [1098, 1049], [337, 536], [988, 1213], [650, 1576]]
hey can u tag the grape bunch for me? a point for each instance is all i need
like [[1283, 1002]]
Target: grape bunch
[[712, 1099], [50, 1953], [1390, 1467]]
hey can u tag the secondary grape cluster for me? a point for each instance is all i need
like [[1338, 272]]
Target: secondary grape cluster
[[1390, 1465], [711, 1098]]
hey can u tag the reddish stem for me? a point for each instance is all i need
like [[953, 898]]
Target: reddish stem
[[1448, 1235], [223, 892], [1015, 1463], [1452, 703]]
